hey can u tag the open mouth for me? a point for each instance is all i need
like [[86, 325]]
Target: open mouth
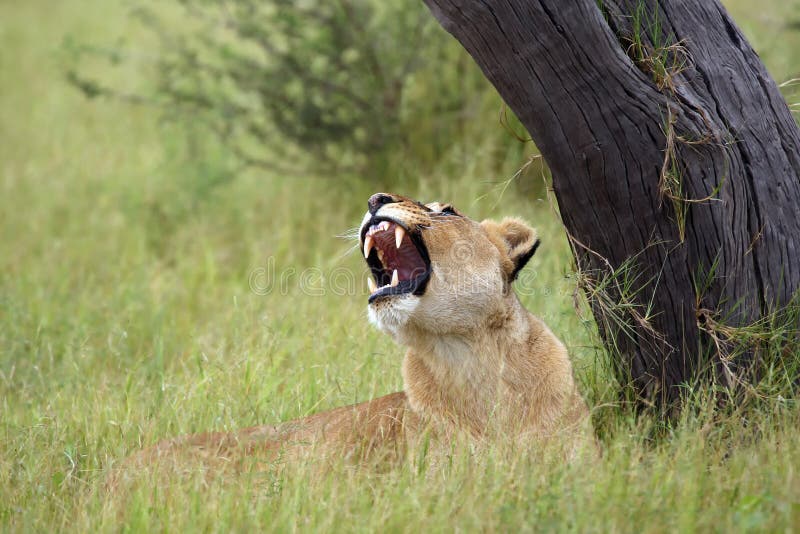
[[397, 258]]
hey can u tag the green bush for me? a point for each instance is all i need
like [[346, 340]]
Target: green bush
[[346, 86]]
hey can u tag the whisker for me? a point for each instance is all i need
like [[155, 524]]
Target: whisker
[[349, 251], [350, 233]]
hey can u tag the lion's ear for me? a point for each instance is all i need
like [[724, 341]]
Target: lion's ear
[[518, 240]]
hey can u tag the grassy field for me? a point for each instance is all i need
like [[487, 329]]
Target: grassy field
[[131, 309]]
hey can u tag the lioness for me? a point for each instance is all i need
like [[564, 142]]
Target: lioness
[[478, 363]]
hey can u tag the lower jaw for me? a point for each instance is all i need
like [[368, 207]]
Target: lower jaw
[[387, 296], [405, 287]]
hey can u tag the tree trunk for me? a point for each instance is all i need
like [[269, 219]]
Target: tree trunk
[[675, 162]]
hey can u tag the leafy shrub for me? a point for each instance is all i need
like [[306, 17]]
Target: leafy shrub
[[344, 85]]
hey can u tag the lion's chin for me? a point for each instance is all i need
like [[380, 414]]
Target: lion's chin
[[391, 315]]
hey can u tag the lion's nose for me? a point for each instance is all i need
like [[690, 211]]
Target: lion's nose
[[377, 200]]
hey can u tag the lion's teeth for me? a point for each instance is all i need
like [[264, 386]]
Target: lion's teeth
[[367, 245], [373, 287], [395, 278], [399, 234], [384, 225]]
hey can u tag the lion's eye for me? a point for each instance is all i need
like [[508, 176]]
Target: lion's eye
[[449, 210]]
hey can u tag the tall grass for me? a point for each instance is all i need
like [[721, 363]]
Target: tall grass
[[128, 314]]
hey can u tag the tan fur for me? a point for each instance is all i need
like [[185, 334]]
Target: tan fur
[[478, 363]]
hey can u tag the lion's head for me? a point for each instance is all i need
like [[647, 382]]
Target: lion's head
[[435, 270]]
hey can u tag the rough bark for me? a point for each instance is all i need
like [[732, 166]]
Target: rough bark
[[586, 85]]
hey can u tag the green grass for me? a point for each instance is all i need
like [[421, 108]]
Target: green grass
[[127, 316]]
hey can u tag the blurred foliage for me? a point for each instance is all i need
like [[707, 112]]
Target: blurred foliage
[[345, 86]]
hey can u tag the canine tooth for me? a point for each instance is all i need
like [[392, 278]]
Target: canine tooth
[[399, 234], [395, 278], [373, 287], [367, 245]]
